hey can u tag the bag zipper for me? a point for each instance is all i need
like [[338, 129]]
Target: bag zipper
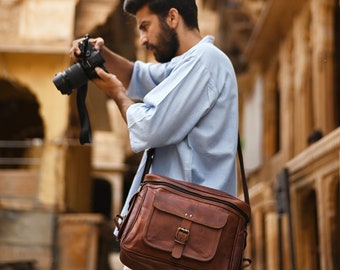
[[197, 195]]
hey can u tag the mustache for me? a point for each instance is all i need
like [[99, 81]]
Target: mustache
[[149, 46]]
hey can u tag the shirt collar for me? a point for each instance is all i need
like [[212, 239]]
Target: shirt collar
[[207, 39]]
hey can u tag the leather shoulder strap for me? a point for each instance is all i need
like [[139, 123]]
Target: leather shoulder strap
[[150, 155], [243, 173]]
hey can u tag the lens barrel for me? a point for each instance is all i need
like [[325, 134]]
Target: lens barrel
[[72, 78]]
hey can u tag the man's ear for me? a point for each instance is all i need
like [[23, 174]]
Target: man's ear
[[173, 18]]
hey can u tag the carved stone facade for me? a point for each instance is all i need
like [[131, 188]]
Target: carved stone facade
[[47, 179], [290, 97], [287, 61]]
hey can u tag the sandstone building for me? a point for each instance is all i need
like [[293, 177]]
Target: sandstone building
[[57, 196]]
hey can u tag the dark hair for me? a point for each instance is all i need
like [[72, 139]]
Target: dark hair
[[186, 8]]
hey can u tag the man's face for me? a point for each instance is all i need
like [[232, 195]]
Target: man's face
[[157, 36]]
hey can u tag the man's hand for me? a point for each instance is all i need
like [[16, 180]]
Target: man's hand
[[97, 43], [108, 82], [114, 63], [114, 88]]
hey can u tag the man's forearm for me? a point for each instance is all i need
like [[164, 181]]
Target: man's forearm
[[118, 65], [123, 102]]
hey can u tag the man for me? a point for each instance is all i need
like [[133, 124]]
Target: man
[[189, 108]]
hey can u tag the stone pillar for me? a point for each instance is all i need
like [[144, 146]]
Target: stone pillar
[[272, 255], [301, 54], [287, 109], [326, 212], [270, 112], [323, 63], [78, 236], [258, 235]]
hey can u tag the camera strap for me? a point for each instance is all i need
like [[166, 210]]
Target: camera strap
[[85, 126]]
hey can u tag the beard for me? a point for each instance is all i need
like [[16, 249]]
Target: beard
[[167, 44]]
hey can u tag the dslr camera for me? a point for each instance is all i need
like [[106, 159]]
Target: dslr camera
[[78, 74]]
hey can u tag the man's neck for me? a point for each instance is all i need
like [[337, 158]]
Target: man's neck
[[188, 39]]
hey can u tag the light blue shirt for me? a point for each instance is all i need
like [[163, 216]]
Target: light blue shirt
[[189, 114]]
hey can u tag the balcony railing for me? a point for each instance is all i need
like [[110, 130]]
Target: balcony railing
[[20, 154]]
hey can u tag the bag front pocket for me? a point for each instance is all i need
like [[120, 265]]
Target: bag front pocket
[[184, 226]]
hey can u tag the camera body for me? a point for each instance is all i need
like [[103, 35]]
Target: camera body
[[79, 73]]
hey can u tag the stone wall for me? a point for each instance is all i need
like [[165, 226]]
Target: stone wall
[[292, 51]]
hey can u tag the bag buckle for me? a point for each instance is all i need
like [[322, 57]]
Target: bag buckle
[[118, 220], [182, 235]]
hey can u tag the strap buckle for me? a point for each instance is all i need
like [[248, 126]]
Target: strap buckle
[[182, 235]]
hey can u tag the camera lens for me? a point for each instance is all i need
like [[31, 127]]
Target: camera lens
[[62, 84], [71, 78]]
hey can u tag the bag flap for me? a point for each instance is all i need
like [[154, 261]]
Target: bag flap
[[208, 215], [198, 226], [202, 190]]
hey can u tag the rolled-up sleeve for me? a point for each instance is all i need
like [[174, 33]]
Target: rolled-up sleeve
[[145, 77], [172, 108]]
